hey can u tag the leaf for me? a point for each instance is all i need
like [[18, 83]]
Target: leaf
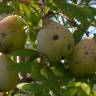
[[33, 36], [84, 87], [95, 36], [50, 4], [33, 32], [66, 74], [21, 94], [82, 14], [93, 10], [92, 80], [81, 92], [24, 10], [26, 52], [69, 92], [34, 18], [78, 36], [75, 1], [14, 4], [56, 72], [52, 82], [35, 71], [21, 67], [79, 33], [87, 1], [4, 8], [36, 89]]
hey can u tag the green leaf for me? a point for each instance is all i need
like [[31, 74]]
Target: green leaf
[[14, 4], [93, 10], [36, 89], [52, 82], [4, 8], [82, 14], [33, 36], [84, 87], [26, 52], [35, 71], [95, 36], [56, 72], [21, 94], [79, 33], [34, 18], [50, 4], [80, 92], [69, 92], [87, 1], [75, 1], [24, 10], [92, 80], [21, 67], [66, 74]]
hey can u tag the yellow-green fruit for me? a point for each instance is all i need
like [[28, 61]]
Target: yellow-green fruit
[[12, 33], [55, 41], [83, 58], [8, 79]]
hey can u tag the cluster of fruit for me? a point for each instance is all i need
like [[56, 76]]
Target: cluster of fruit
[[55, 42], [12, 37]]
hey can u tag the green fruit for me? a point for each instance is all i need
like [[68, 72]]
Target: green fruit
[[83, 58], [55, 41], [8, 79], [12, 33]]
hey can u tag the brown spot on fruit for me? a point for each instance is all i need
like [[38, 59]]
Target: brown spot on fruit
[[55, 37], [69, 47], [86, 53]]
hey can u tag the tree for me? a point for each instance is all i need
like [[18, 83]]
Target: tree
[[41, 77]]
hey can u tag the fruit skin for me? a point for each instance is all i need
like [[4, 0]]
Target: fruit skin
[[55, 41], [8, 79], [12, 33], [83, 58]]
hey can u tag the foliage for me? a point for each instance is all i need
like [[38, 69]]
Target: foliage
[[51, 79]]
